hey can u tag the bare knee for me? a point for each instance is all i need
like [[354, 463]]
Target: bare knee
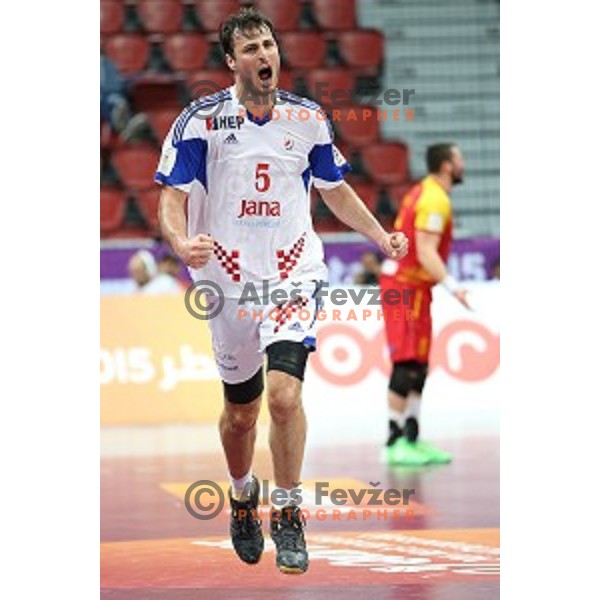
[[240, 418], [284, 396]]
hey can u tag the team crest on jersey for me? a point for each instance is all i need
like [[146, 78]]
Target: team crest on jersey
[[288, 142]]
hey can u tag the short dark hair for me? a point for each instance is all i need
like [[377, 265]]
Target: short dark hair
[[437, 154], [247, 19], [168, 258]]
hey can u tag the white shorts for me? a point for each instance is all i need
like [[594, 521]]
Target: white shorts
[[242, 331]]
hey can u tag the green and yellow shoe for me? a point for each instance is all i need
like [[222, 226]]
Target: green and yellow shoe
[[403, 452], [435, 455]]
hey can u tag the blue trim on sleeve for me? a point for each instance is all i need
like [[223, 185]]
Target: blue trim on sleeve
[[189, 165], [323, 165], [287, 97], [194, 107], [306, 175]]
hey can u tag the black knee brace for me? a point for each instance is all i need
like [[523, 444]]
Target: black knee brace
[[408, 376], [289, 357], [245, 392]]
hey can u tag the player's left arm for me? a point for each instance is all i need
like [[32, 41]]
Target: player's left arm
[[433, 213], [345, 204], [328, 167]]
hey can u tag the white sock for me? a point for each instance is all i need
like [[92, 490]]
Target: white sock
[[238, 485], [413, 408], [398, 417]]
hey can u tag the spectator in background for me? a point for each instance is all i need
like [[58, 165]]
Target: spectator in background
[[371, 263], [496, 270], [166, 282], [114, 105], [142, 268], [169, 265], [151, 278]]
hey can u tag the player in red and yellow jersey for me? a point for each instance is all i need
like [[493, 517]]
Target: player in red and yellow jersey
[[426, 219]]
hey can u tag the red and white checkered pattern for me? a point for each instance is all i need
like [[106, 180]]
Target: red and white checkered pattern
[[285, 311], [228, 260], [288, 259]]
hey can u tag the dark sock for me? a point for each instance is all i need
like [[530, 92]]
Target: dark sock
[[395, 432], [411, 429]]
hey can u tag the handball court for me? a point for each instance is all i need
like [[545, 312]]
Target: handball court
[[444, 544]]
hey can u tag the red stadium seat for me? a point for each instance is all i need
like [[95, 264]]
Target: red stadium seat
[[331, 87], [303, 49], [284, 14], [136, 166], [161, 121], [160, 16], [186, 51], [286, 80], [112, 14], [397, 193], [112, 209], [213, 12], [368, 193], [387, 163], [362, 48], [208, 81], [337, 15], [148, 204], [151, 95], [129, 51], [357, 125]]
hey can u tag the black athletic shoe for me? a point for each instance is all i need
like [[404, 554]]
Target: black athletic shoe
[[245, 527], [288, 535]]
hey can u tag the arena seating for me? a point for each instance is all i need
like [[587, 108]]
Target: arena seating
[[169, 51]]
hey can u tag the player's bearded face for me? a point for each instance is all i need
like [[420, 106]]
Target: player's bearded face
[[458, 166], [256, 60]]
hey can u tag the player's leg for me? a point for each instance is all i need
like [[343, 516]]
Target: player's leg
[[400, 337], [288, 339], [411, 377], [239, 360], [237, 427], [287, 437], [405, 386]]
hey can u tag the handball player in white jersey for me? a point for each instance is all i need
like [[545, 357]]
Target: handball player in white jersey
[[236, 169]]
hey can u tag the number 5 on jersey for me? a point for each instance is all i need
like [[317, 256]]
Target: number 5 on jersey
[[263, 181]]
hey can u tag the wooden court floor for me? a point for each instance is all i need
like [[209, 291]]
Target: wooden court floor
[[444, 544]]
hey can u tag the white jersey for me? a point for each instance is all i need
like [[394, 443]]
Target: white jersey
[[248, 183]]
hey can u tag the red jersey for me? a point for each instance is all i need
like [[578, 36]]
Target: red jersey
[[425, 207]]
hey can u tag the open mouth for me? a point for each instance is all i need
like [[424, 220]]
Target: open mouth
[[265, 73]]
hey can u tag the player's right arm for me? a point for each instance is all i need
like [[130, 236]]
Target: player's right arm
[[432, 215], [182, 163], [195, 251]]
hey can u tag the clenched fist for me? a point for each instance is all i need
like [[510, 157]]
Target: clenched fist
[[395, 245], [196, 251]]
